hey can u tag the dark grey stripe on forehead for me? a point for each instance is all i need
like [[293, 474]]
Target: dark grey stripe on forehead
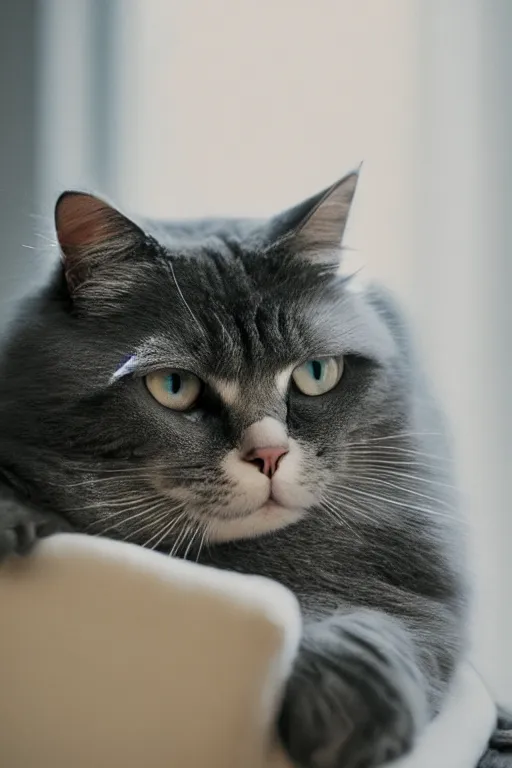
[[212, 270], [264, 336], [257, 340]]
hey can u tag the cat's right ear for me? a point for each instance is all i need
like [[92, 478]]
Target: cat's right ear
[[314, 229], [93, 236]]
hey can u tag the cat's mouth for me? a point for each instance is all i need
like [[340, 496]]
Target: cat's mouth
[[269, 517], [272, 503], [271, 514]]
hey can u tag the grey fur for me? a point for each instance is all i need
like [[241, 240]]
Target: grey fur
[[499, 753], [377, 562]]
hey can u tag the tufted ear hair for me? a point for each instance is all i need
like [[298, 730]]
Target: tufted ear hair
[[315, 227], [92, 235]]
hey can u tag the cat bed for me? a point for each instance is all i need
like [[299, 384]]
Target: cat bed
[[112, 656]]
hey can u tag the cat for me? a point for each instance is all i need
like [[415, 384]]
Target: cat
[[219, 389]]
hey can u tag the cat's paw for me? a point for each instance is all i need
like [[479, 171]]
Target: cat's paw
[[348, 705], [21, 527]]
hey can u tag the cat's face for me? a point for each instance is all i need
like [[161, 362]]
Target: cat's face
[[211, 376], [244, 396]]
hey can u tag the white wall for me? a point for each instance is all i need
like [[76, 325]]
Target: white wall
[[458, 292], [244, 107]]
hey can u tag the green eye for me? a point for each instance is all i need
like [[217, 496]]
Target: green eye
[[318, 375], [173, 389]]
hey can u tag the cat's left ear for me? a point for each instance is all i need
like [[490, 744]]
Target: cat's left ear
[[93, 236], [314, 229]]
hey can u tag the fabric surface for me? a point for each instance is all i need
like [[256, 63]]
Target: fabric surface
[[112, 656]]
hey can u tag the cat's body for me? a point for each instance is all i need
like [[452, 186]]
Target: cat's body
[[343, 493]]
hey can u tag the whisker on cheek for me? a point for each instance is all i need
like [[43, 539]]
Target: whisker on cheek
[[149, 477], [123, 521], [334, 512], [394, 450], [396, 436], [127, 503], [181, 539], [141, 466], [164, 531], [141, 506], [191, 541], [203, 541], [155, 519], [341, 492], [378, 482], [370, 460]]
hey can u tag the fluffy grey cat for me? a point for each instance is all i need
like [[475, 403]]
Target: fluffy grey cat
[[217, 390]]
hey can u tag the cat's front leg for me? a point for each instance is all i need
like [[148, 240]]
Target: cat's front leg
[[357, 697], [22, 525]]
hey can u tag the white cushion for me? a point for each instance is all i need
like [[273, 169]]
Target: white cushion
[[112, 656]]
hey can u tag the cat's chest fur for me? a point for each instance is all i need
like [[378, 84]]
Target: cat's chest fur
[[329, 569]]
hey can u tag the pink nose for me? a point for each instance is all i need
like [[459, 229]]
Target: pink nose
[[266, 459]]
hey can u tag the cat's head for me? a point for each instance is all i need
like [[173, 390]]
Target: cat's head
[[203, 377]]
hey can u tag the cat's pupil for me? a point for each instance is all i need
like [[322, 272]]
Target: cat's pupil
[[173, 383], [316, 368]]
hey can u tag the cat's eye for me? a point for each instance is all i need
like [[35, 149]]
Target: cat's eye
[[174, 389], [318, 375]]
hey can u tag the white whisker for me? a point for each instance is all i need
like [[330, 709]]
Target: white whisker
[[140, 506], [386, 500], [145, 511], [171, 528], [195, 531], [393, 449], [224, 331], [202, 541], [169, 262], [163, 531], [181, 538], [127, 503], [368, 460], [114, 477], [394, 436], [340, 502], [335, 513], [155, 519], [378, 482], [405, 475]]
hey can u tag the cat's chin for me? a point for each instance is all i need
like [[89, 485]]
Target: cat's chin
[[268, 518]]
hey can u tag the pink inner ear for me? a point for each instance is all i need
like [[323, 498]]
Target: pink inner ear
[[84, 221]]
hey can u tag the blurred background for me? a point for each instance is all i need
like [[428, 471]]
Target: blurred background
[[190, 107]]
